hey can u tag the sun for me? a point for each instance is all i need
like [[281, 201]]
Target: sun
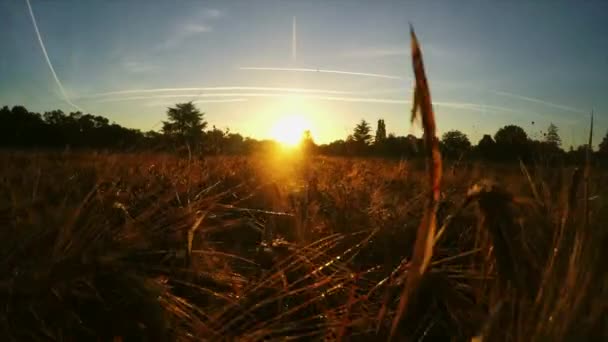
[[288, 129]]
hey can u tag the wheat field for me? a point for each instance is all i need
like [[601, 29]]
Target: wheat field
[[157, 247]]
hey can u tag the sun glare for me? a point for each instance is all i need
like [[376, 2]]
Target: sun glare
[[288, 129]]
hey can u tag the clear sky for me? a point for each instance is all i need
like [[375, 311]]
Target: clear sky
[[489, 63]]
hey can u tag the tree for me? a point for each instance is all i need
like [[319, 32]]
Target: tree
[[486, 147], [511, 135], [577, 155], [402, 147], [603, 151], [22, 128], [361, 133], [185, 123], [234, 143], [380, 132], [307, 143], [552, 136], [337, 147], [455, 143], [512, 142], [214, 140]]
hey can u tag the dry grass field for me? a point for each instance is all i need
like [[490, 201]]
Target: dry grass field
[[155, 247]]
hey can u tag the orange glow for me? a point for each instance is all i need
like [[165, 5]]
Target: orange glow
[[288, 129]]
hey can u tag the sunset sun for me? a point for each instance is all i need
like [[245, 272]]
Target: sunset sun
[[288, 129]]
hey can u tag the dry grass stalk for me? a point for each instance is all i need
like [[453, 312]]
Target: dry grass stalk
[[587, 172], [423, 247], [524, 170]]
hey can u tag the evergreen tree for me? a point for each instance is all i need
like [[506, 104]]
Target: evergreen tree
[[380, 132], [552, 136], [361, 134], [307, 143], [185, 124], [603, 150]]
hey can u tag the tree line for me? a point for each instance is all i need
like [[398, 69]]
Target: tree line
[[186, 129], [509, 143]]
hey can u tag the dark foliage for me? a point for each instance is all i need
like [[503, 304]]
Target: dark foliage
[[185, 129]]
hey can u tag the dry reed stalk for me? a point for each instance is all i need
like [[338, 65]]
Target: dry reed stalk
[[558, 243], [535, 193], [496, 219], [425, 236]]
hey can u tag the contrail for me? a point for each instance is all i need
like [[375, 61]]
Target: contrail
[[294, 40], [48, 60], [162, 90], [393, 77], [238, 97], [198, 101], [219, 101], [305, 96], [458, 105], [539, 101]]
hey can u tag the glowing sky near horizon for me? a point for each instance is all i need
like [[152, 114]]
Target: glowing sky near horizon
[[247, 65]]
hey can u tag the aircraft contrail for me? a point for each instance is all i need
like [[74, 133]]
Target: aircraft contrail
[[393, 77], [48, 60], [306, 96], [219, 101], [539, 101], [199, 101], [300, 93], [223, 88], [458, 105], [294, 40]]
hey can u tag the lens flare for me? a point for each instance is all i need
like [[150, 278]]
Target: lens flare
[[288, 129]]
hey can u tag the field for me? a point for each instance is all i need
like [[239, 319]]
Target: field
[[279, 247]]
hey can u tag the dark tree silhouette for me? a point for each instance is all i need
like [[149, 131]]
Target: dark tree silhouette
[[552, 137], [512, 143], [337, 148], [234, 143], [307, 143], [603, 148], [380, 132], [486, 148], [185, 124], [577, 155], [511, 134], [455, 144], [20, 128], [403, 147], [361, 133], [214, 141], [359, 142]]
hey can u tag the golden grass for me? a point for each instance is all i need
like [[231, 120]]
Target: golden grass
[[131, 244], [425, 236]]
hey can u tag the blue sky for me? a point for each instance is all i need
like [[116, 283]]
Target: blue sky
[[489, 63]]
